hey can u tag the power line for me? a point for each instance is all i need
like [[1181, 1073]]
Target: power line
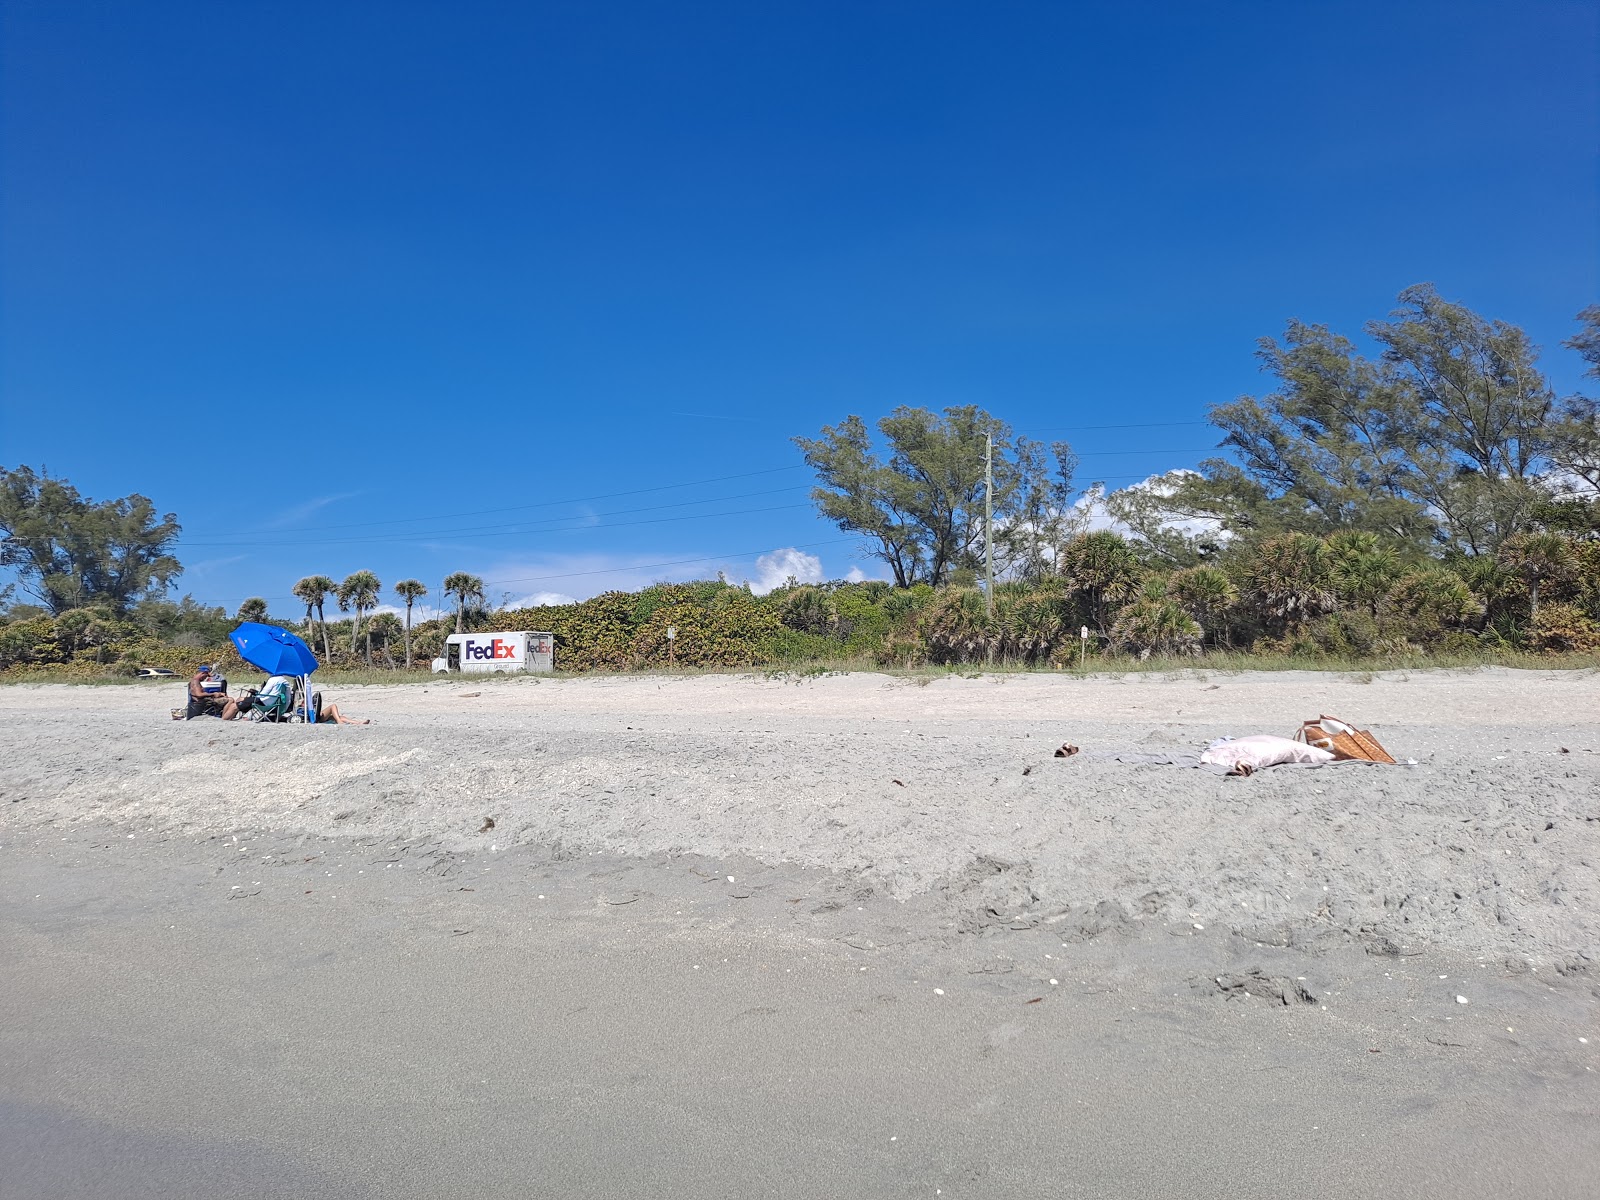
[[1098, 428], [210, 540], [687, 561]]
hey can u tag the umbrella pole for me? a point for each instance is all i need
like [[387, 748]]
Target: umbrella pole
[[305, 693]]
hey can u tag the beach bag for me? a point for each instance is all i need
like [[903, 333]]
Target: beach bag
[[1342, 740]]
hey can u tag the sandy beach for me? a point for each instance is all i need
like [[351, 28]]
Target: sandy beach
[[855, 934]]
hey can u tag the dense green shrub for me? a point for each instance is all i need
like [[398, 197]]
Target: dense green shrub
[[1155, 626], [1562, 628], [1348, 634], [726, 628], [811, 610], [1432, 602], [955, 627], [788, 646]]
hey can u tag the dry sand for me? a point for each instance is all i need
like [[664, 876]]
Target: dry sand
[[852, 935], [1488, 845]]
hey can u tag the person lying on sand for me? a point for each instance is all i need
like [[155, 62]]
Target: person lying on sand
[[201, 702], [330, 715]]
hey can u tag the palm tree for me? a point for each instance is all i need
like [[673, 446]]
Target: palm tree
[[253, 609], [1204, 591], [1364, 570], [1436, 599], [1492, 582], [464, 588], [1290, 579], [359, 591], [315, 590], [956, 627], [409, 590], [1538, 557], [1104, 568], [1153, 626], [385, 625], [1029, 621]]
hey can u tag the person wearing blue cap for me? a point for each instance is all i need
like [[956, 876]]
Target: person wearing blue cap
[[204, 702]]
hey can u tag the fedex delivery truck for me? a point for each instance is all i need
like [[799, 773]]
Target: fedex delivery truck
[[490, 653]]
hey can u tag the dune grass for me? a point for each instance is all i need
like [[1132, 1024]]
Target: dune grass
[[1218, 663]]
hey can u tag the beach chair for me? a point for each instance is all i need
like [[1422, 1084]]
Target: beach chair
[[297, 706], [276, 704]]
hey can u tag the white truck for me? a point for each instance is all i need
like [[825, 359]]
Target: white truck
[[495, 653]]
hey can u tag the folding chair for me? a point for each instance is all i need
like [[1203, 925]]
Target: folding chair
[[276, 704]]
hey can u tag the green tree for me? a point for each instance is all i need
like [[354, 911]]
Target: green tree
[[1363, 569], [384, 627], [1494, 585], [253, 609], [409, 590], [1205, 592], [1290, 580], [314, 590], [90, 629], [1324, 451], [1030, 621], [467, 589], [1434, 600], [1040, 518], [1155, 626], [810, 610], [956, 626], [71, 552], [359, 592], [1480, 410], [1587, 340], [922, 509], [1577, 436], [1448, 436], [186, 623], [1103, 569], [1538, 558]]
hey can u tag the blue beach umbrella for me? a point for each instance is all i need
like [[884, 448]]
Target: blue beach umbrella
[[275, 651]]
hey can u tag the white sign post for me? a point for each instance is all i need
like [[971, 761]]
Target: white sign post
[[672, 636], [1083, 647]]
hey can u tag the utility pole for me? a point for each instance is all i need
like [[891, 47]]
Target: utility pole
[[988, 523]]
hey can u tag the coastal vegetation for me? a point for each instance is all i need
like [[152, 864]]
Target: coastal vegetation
[[1436, 501]]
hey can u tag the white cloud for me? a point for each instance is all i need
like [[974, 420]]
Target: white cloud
[[579, 576], [537, 581], [299, 512], [211, 564], [856, 575], [1091, 507], [777, 568], [423, 611], [543, 600]]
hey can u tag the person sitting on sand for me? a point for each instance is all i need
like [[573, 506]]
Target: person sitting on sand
[[201, 702]]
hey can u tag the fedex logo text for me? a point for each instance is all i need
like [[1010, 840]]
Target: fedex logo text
[[496, 649]]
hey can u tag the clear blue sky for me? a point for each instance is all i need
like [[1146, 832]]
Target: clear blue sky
[[294, 269]]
